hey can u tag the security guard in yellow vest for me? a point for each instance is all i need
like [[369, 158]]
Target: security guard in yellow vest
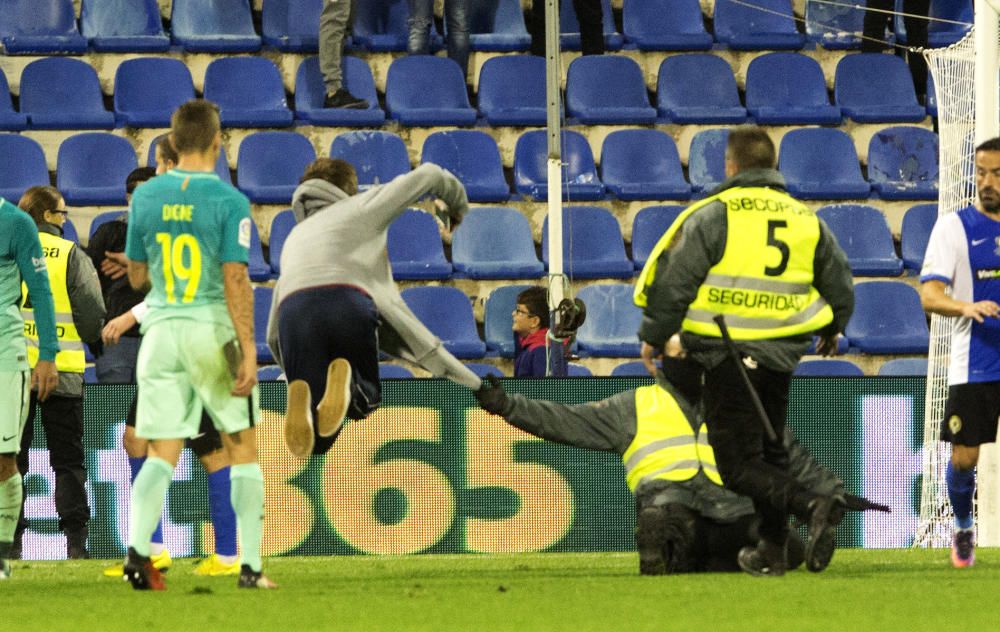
[[762, 259], [686, 521], [79, 309]]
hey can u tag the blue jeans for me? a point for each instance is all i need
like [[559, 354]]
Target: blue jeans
[[456, 17]]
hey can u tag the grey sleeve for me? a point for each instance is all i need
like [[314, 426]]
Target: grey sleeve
[[832, 278], [607, 425], [390, 200], [85, 296], [807, 471]]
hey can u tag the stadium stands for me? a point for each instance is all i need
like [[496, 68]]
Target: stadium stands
[[707, 159], [248, 91], [262, 297], [281, 225], [91, 169], [820, 163], [904, 367], [580, 180], [827, 368], [291, 26], [917, 224], [219, 26], [482, 370], [497, 319], [270, 164], [357, 79], [269, 373], [788, 88], [380, 25], [593, 247], [22, 165], [698, 88], [633, 368], [132, 26], [494, 243], [10, 120], [413, 101], [63, 93], [664, 25], [221, 165], [577, 370], [28, 29], [70, 233], [257, 267], [607, 89], [415, 250], [761, 25], [497, 25], [876, 88], [473, 157], [834, 26], [648, 226], [569, 26], [903, 163], [612, 321], [863, 233], [446, 311], [887, 319], [149, 89], [512, 90], [393, 371], [377, 157], [643, 164], [942, 30]]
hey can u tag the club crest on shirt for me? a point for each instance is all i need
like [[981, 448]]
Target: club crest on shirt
[[244, 236], [996, 241], [955, 424]]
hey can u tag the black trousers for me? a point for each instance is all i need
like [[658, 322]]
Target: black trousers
[[62, 422], [916, 34], [748, 463], [588, 13], [318, 325]]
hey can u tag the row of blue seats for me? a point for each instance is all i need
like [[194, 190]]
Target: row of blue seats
[[781, 89], [888, 319], [636, 164], [495, 25]]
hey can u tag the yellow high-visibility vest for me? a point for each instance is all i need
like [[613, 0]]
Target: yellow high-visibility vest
[[70, 358], [665, 446]]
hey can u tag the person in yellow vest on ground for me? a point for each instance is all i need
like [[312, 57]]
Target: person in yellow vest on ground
[[764, 261], [686, 521], [79, 309]]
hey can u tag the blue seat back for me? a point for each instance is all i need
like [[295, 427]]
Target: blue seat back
[[834, 26], [633, 368], [447, 312], [604, 82], [62, 85], [648, 226], [381, 25], [393, 371], [665, 24], [149, 89], [310, 91], [269, 373], [642, 164], [270, 164], [407, 87], [941, 30], [531, 160], [123, 25], [103, 218], [473, 157], [30, 26], [291, 26], [904, 367], [819, 155], [696, 80], [785, 79], [828, 368], [70, 232], [216, 26], [497, 319], [916, 232], [91, 168], [512, 90], [873, 80], [378, 157], [495, 242], [262, 297], [257, 267], [593, 246], [735, 21], [281, 226], [570, 27], [888, 318], [9, 119], [244, 83], [707, 159], [415, 248], [22, 165], [864, 235], [577, 370], [612, 321], [904, 157]]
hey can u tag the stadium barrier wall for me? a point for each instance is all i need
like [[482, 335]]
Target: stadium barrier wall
[[432, 473]]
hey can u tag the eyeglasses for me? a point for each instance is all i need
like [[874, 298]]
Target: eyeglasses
[[522, 312]]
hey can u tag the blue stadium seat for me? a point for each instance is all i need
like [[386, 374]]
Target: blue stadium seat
[[607, 89], [593, 247], [70, 232], [495, 243], [917, 224], [903, 163], [22, 165], [698, 88], [569, 38], [378, 157], [887, 319], [707, 159], [579, 181], [940, 33], [381, 25], [497, 322], [257, 267], [904, 367], [834, 26], [149, 89], [876, 88], [761, 25], [387, 370], [863, 233], [648, 226], [29, 28], [91, 168], [221, 164], [291, 26], [90, 374], [497, 25], [788, 89], [482, 370], [415, 249], [126, 26], [843, 345], [63, 93], [612, 322], [10, 120], [643, 164], [447, 312], [474, 158], [270, 373], [270, 164], [281, 225], [932, 103], [664, 25], [413, 100], [249, 92], [632, 368], [577, 370], [218, 26], [821, 164], [828, 368], [103, 218], [512, 90], [262, 296], [357, 79]]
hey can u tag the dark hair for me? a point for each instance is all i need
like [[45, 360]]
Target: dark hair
[[536, 299], [137, 177], [166, 148], [992, 144], [339, 173], [39, 199], [194, 125], [750, 148]]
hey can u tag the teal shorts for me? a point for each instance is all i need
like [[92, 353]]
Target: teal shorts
[[181, 371], [15, 394]]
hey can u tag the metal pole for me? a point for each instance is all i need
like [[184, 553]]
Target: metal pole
[[553, 109]]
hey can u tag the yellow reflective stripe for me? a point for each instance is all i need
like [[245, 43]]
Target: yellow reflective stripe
[[762, 285], [691, 465], [656, 446], [744, 322], [70, 358]]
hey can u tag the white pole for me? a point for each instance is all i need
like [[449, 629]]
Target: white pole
[[554, 128]]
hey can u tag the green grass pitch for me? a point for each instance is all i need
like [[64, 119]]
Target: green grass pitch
[[862, 590]]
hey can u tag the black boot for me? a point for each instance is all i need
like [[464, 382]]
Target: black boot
[[825, 513], [76, 545], [764, 560]]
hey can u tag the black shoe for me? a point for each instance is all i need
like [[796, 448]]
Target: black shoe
[[344, 99], [825, 513], [763, 560], [76, 545], [140, 572], [250, 578]]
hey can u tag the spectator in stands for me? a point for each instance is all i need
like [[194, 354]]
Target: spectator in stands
[[79, 315], [334, 23], [456, 15], [530, 323], [879, 16], [589, 14]]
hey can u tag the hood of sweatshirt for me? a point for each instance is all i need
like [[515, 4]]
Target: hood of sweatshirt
[[314, 195]]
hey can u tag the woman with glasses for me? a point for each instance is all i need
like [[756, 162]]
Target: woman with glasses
[[79, 309]]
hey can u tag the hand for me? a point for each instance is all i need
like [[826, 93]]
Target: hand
[[44, 379], [491, 396], [827, 345], [246, 376], [114, 328], [114, 264], [649, 354], [980, 310]]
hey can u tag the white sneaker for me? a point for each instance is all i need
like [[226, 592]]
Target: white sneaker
[[298, 420], [333, 407]]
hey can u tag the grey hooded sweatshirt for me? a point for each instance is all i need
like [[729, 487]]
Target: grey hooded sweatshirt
[[346, 244]]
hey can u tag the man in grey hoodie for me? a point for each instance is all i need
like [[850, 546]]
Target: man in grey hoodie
[[336, 305]]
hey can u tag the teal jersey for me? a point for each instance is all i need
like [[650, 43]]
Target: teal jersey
[[184, 225], [21, 259]]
